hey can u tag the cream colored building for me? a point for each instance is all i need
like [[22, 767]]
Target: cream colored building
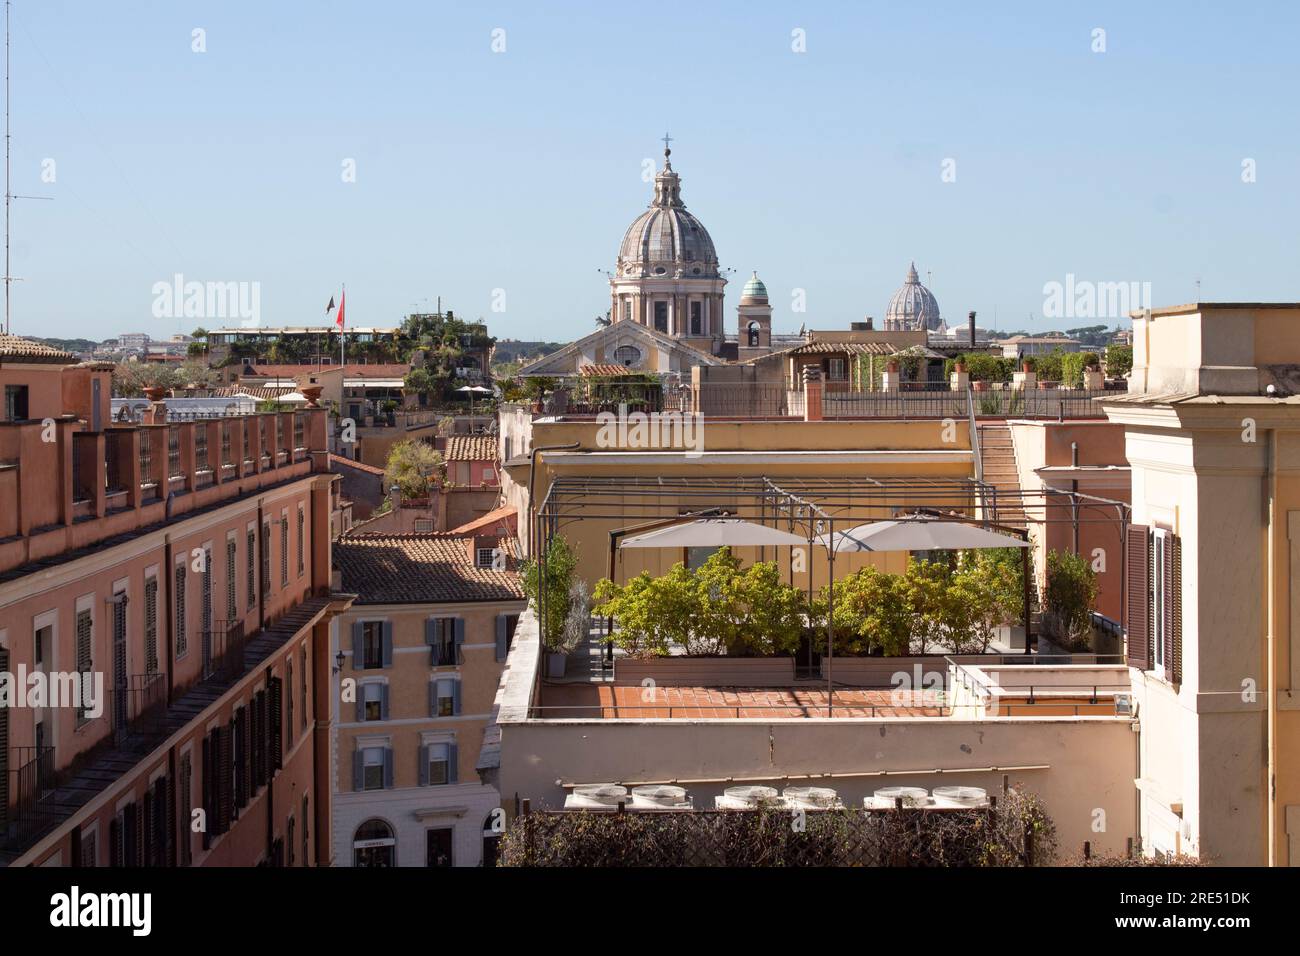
[[418, 659], [1212, 425]]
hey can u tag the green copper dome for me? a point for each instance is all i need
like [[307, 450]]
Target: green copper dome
[[754, 288]]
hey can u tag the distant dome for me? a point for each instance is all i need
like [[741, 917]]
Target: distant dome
[[667, 240], [754, 288], [913, 307]]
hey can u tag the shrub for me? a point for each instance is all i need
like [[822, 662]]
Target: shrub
[[1119, 360], [556, 576], [1068, 598], [413, 466]]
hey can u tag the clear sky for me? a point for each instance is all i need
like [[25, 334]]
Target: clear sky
[[520, 170]]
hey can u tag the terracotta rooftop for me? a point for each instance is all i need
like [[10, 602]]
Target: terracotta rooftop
[[420, 569], [502, 517], [606, 369], [16, 349], [471, 448], [851, 348], [358, 465]]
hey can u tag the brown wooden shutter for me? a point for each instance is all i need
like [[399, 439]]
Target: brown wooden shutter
[[276, 728], [148, 822], [115, 842], [1174, 650], [246, 754], [208, 790], [1137, 572], [4, 750], [168, 785], [223, 781]]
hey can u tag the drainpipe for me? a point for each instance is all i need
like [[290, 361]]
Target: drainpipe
[[168, 573], [1270, 643], [1074, 490]]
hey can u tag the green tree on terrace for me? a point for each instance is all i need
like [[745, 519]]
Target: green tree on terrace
[[1119, 360], [554, 576], [413, 466]]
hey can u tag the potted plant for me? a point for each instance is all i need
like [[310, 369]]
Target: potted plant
[[549, 586]]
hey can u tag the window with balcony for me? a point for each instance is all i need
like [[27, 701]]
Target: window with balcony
[[440, 632], [372, 645]]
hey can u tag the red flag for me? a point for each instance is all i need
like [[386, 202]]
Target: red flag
[[338, 319]]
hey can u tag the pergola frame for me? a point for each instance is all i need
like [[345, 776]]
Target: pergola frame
[[807, 505]]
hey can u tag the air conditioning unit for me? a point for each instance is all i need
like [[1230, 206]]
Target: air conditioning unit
[[596, 796], [954, 797], [1123, 705], [811, 798], [747, 798], [660, 797], [886, 798]]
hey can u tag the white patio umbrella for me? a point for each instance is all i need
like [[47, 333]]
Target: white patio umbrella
[[919, 533], [473, 390], [713, 533]]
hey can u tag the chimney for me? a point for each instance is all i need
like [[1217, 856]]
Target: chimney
[[970, 318]]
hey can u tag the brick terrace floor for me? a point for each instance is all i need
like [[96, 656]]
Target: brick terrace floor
[[570, 701]]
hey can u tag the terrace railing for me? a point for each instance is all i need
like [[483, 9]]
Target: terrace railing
[[32, 806], [136, 705]]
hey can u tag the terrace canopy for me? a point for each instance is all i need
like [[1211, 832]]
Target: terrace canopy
[[919, 533], [713, 533]]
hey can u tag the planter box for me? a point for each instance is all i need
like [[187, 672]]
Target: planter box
[[880, 671], [705, 671], [555, 664]]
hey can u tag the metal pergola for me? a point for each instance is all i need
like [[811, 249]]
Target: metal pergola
[[810, 506]]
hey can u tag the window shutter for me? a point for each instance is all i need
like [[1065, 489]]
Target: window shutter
[[1174, 655], [424, 766], [246, 755], [453, 775], [209, 803], [361, 704], [431, 631], [225, 790], [169, 822], [358, 770], [358, 646], [4, 750], [433, 698], [1137, 572], [383, 702], [459, 625], [276, 721], [387, 641], [455, 697], [146, 830], [115, 841], [501, 638], [77, 855], [388, 768]]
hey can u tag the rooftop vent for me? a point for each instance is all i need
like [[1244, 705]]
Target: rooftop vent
[[596, 795], [960, 797], [886, 798], [747, 798], [811, 798], [660, 797]]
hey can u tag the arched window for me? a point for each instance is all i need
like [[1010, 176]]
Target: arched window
[[627, 355], [491, 838], [374, 845], [753, 334]]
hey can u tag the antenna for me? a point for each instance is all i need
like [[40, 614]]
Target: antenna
[[9, 277]]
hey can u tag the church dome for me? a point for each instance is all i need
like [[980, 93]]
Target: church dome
[[754, 288], [666, 240], [913, 307]]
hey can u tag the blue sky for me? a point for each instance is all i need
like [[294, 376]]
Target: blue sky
[[520, 170]]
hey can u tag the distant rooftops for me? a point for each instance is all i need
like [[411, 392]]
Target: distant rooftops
[[423, 569]]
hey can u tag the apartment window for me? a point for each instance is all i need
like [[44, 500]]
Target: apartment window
[[266, 559], [302, 542], [444, 694], [306, 833], [284, 551], [288, 681], [369, 650], [288, 838], [16, 403], [441, 636], [151, 625], [374, 701], [1153, 601], [836, 369], [439, 764], [231, 599], [251, 554], [373, 763], [206, 606], [505, 636], [85, 638], [302, 677], [89, 855], [182, 643], [185, 809], [483, 557]]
